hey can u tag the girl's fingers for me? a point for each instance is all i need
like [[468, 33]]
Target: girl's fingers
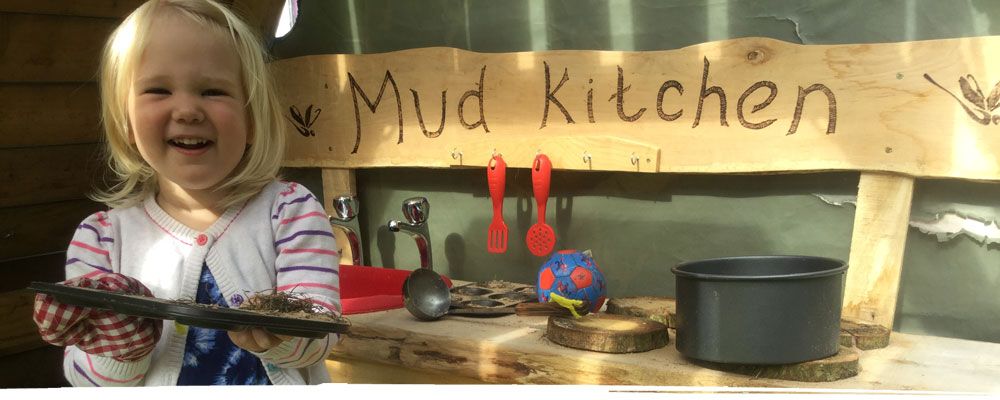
[[245, 340], [264, 338]]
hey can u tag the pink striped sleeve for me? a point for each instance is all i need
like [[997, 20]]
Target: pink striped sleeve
[[90, 249], [308, 263]]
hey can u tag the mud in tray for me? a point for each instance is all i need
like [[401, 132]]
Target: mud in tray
[[492, 294]]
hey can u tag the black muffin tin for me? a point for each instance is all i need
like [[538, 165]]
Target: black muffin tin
[[199, 315], [492, 295]]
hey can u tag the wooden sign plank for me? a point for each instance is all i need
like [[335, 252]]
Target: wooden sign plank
[[750, 105]]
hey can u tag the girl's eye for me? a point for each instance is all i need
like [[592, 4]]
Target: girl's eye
[[214, 92], [156, 91]]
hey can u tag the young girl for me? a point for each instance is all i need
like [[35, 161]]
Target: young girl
[[195, 138]]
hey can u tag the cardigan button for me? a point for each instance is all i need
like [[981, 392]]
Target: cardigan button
[[202, 239]]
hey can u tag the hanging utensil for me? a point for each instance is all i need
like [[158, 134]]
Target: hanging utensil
[[541, 238], [496, 236]]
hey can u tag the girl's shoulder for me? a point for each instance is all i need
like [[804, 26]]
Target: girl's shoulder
[[282, 190], [288, 194], [110, 217], [99, 221]]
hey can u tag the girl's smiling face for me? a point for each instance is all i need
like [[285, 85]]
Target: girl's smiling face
[[187, 107]]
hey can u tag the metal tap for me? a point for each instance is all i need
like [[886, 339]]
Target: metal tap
[[345, 217], [416, 210]]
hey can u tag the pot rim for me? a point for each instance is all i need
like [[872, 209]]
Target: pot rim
[[678, 271]]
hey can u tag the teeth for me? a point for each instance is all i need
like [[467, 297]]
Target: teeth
[[189, 141]]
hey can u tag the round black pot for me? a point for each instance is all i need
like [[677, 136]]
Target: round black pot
[[759, 309]]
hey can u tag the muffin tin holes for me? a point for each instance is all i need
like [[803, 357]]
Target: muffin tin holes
[[481, 304], [472, 291], [492, 294], [511, 296]]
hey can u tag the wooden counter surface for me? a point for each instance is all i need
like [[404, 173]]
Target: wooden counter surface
[[512, 349]]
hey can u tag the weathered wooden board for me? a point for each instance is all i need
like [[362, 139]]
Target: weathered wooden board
[[40, 114], [38, 175], [45, 369], [89, 8], [49, 48], [17, 330], [750, 105], [43, 228], [20, 272], [512, 350], [354, 370]]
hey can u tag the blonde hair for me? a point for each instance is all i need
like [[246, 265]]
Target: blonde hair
[[135, 179]]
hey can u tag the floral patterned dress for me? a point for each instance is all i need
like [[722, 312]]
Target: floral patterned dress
[[210, 357]]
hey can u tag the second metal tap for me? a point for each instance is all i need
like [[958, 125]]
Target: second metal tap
[[415, 211]]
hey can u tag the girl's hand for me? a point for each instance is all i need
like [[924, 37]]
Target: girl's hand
[[99, 332], [257, 340]]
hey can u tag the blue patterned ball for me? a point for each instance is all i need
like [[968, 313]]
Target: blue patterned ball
[[573, 275]]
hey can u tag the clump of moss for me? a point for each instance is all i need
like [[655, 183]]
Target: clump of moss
[[279, 302]]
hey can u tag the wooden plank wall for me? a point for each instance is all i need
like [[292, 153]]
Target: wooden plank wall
[[49, 154]]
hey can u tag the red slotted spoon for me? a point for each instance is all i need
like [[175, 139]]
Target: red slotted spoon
[[496, 236], [541, 238]]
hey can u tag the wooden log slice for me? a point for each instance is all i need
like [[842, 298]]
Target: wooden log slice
[[659, 309], [863, 335], [607, 333], [853, 333], [842, 365]]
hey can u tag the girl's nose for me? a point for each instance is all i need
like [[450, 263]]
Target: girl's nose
[[188, 114]]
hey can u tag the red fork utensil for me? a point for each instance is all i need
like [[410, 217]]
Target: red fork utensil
[[496, 177], [541, 238]]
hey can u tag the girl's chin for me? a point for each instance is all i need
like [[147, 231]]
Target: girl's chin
[[196, 184]]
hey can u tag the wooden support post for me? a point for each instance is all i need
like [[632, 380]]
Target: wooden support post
[[877, 244], [339, 182]]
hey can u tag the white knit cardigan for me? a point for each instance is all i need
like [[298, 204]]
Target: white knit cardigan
[[280, 238]]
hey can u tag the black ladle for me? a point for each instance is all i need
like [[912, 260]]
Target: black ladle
[[426, 296]]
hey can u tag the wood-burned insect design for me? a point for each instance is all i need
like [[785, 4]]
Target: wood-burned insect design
[[304, 122], [982, 106]]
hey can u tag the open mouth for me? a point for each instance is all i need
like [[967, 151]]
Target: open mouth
[[190, 143]]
